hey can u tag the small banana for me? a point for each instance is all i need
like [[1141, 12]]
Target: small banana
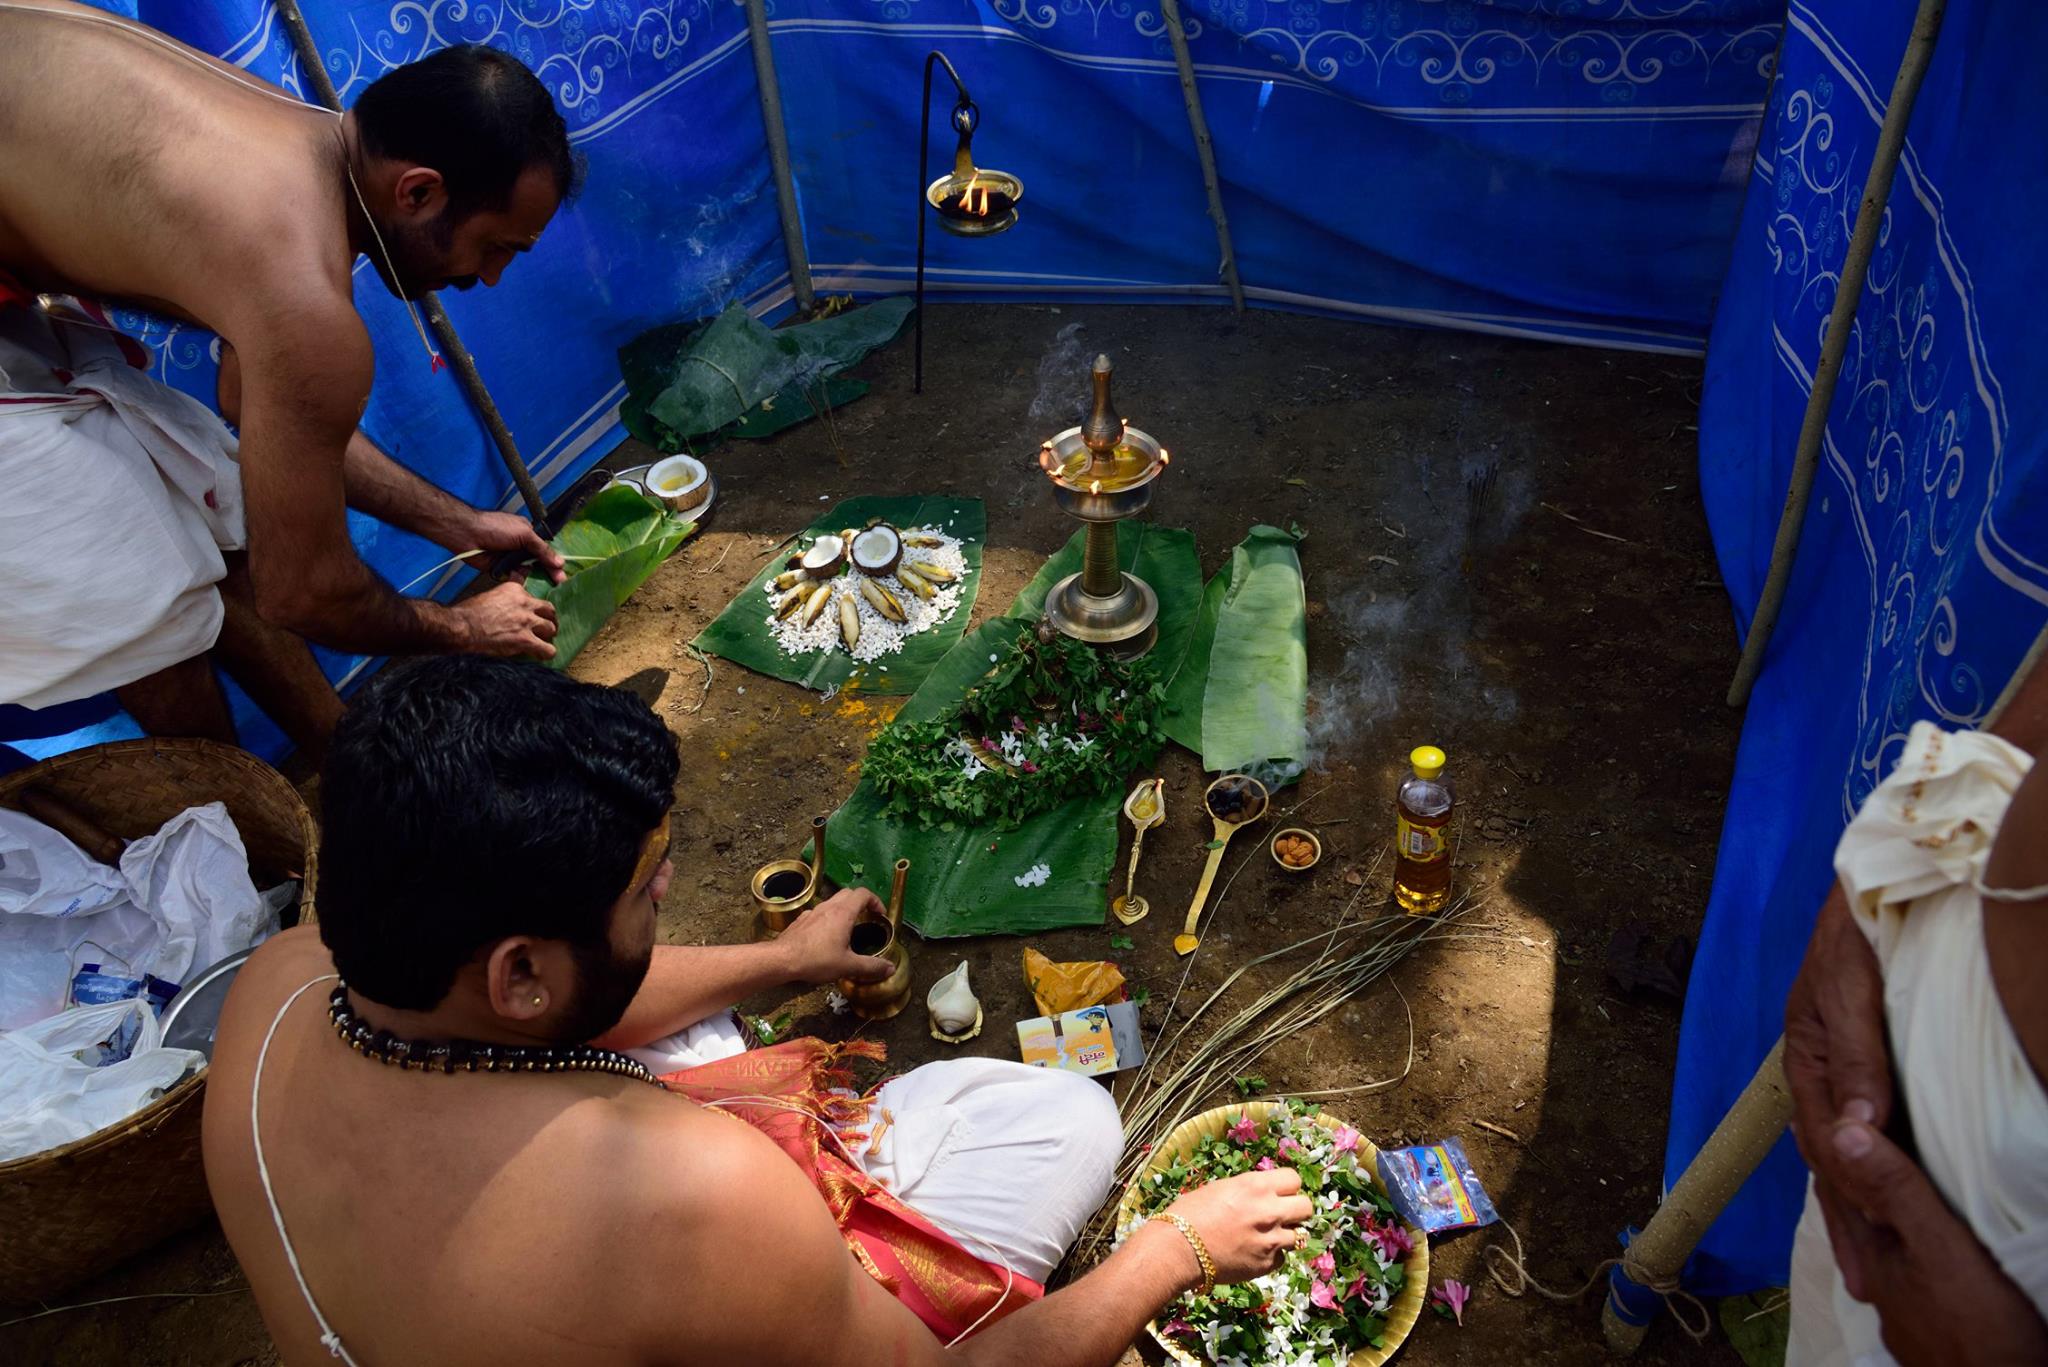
[[790, 604], [816, 603], [915, 583], [930, 571], [881, 600], [849, 623], [788, 579]]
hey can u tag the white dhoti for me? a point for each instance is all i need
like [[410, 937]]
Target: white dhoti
[[117, 496], [1912, 863], [1008, 1160]]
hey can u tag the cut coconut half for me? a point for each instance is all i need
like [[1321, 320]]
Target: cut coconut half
[[825, 558], [877, 550]]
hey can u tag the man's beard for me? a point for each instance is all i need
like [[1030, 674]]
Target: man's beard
[[418, 255], [606, 983]]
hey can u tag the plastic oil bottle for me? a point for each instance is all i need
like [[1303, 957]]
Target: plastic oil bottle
[[1422, 854]]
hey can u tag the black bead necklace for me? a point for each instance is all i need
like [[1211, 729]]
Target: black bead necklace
[[471, 1056]]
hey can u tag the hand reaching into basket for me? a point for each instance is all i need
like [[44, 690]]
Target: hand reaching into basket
[[1246, 1222]]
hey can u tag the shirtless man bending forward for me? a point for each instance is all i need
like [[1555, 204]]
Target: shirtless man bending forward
[[135, 168], [494, 853]]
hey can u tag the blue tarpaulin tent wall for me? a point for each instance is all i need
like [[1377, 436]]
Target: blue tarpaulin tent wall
[[1922, 574], [1567, 169]]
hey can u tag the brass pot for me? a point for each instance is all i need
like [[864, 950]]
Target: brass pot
[[881, 937], [793, 880], [786, 899]]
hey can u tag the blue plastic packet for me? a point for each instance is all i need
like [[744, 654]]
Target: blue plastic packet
[[92, 987], [1434, 1187]]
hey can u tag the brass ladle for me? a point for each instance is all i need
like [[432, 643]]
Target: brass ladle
[[1146, 807], [1255, 807]]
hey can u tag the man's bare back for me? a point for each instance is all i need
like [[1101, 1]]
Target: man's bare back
[[501, 1205], [129, 172]]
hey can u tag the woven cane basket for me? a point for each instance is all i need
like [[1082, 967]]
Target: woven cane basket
[[1407, 1306], [75, 1211]]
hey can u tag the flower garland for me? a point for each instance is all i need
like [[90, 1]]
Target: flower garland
[[1053, 719], [1330, 1298]]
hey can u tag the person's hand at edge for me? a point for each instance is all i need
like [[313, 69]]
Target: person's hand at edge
[[1941, 1297]]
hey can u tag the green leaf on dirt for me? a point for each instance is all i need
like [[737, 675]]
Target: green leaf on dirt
[[1141, 996], [618, 539], [1213, 845], [1241, 699], [955, 886], [733, 375], [741, 632], [1249, 1085], [1122, 942], [1757, 1326]]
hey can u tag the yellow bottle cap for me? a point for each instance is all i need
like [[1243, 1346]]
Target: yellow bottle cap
[[1428, 761]]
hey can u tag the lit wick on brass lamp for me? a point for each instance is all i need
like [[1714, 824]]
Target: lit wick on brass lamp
[[971, 202], [1102, 473]]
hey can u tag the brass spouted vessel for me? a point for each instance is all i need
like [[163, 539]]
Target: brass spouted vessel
[[881, 936]]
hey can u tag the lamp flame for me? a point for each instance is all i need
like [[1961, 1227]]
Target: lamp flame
[[1094, 486], [1165, 456], [969, 203]]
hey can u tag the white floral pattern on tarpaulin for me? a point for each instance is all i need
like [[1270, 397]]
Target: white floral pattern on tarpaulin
[[1919, 425]]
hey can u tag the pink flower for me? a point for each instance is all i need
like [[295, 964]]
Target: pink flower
[[1450, 1298], [1177, 1325], [1346, 1139], [1394, 1239], [1029, 767], [1264, 1165], [1357, 1290], [988, 744], [1325, 1266], [1288, 1146], [1244, 1131], [1017, 725], [1322, 1297]]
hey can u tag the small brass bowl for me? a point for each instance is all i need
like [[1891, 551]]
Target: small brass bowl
[[794, 887], [1316, 858]]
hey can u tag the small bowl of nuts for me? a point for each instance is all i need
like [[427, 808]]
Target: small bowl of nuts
[[1296, 850]]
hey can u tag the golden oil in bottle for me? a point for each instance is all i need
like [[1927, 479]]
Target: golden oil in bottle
[[1422, 853]]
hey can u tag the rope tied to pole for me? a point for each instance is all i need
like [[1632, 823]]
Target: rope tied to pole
[[1510, 1272]]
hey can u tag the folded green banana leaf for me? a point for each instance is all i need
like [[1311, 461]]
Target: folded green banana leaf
[[611, 546]]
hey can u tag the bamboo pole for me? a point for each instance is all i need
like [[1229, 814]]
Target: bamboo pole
[[1877, 187], [778, 155], [457, 355], [1205, 147]]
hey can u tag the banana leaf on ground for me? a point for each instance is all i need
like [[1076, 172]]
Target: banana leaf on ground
[[1240, 701], [741, 633], [689, 385], [965, 881], [610, 547]]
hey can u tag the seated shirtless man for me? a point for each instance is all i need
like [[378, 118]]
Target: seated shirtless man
[[494, 854], [134, 168]]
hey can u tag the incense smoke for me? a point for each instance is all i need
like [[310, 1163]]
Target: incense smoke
[[1063, 392], [1408, 674]]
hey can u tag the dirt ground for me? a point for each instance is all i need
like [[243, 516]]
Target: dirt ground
[[1506, 557]]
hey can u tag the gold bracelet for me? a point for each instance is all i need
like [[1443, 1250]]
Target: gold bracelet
[[1201, 1250]]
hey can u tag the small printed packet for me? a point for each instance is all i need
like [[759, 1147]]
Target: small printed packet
[[1434, 1187]]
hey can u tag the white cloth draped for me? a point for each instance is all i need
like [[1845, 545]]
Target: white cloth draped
[[1911, 863], [117, 496]]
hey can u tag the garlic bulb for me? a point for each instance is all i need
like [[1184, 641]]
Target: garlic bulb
[[952, 1004]]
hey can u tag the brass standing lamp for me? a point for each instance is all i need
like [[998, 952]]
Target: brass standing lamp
[[971, 202], [1102, 472]]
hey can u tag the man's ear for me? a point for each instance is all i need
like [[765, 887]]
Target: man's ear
[[514, 981], [420, 193]]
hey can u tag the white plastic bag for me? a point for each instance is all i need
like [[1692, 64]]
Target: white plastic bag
[[51, 1096], [55, 901], [182, 900]]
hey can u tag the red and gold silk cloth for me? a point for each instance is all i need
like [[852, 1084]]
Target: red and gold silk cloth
[[942, 1283]]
